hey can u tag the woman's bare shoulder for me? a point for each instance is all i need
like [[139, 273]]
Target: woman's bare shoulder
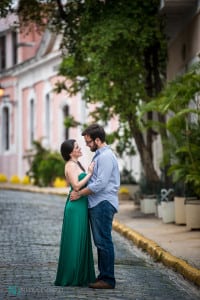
[[70, 168]]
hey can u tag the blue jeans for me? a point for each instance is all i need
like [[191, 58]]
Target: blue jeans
[[101, 217]]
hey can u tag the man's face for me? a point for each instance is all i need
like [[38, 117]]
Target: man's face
[[90, 143]]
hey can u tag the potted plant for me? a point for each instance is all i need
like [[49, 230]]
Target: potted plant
[[189, 172], [179, 203], [185, 128], [149, 192], [179, 102]]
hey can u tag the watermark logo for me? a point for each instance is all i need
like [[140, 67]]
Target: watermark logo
[[13, 290]]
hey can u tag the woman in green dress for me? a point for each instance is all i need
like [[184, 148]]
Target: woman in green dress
[[75, 265]]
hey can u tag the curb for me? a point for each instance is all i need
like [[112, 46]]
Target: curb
[[158, 253], [34, 189]]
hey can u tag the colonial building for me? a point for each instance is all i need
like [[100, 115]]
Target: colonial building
[[29, 108]]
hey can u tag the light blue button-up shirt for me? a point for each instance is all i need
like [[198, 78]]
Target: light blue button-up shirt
[[105, 180]]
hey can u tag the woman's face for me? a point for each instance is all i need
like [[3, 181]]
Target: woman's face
[[76, 151]]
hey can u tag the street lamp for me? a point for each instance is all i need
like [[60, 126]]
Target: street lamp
[[1, 91], [5, 98]]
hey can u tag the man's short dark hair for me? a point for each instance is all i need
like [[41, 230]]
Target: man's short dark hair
[[95, 131]]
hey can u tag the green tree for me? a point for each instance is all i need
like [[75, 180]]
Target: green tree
[[116, 53], [116, 58]]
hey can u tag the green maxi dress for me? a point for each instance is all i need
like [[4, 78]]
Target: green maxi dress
[[75, 265]]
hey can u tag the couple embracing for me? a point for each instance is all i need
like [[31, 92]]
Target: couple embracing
[[92, 202]]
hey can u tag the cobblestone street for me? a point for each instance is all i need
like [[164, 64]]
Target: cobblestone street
[[30, 227]]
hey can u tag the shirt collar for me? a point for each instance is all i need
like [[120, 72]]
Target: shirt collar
[[102, 149]]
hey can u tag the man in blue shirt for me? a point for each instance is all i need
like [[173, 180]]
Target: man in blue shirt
[[102, 191]]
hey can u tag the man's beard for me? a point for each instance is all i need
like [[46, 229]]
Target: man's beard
[[94, 148]]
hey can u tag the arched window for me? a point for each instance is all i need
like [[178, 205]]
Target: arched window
[[32, 116], [66, 114], [6, 129]]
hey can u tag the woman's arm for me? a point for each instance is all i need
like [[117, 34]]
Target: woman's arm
[[72, 171]]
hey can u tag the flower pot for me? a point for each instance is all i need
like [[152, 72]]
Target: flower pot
[[168, 211], [180, 217], [159, 211], [192, 214], [148, 205]]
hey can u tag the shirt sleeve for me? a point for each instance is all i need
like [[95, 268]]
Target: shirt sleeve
[[102, 173]]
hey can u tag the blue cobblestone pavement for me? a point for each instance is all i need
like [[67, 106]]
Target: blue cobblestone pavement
[[30, 227]]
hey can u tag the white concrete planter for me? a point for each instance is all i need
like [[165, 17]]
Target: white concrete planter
[[159, 211], [148, 205], [193, 214], [168, 211], [180, 214]]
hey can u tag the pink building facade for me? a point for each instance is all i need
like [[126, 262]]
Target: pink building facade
[[29, 108]]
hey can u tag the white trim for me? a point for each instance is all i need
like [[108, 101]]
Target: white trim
[[30, 66], [19, 136], [47, 137], [42, 72]]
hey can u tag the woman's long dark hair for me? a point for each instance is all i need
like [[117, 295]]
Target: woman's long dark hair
[[66, 149]]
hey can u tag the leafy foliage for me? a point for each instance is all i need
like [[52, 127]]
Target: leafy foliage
[[186, 166], [126, 177], [180, 100], [5, 7], [45, 166], [69, 121], [50, 168], [116, 58]]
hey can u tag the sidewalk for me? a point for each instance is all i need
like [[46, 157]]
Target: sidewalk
[[173, 245]]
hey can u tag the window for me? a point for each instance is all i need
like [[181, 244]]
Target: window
[[66, 114], [6, 129], [2, 52], [32, 116], [14, 47], [47, 118]]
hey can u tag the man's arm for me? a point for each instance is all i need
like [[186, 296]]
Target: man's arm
[[76, 195]]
